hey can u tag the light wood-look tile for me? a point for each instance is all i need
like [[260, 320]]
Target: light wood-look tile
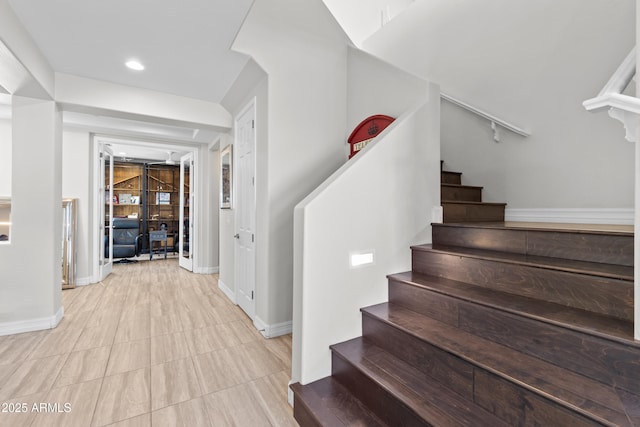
[[56, 342], [96, 336], [81, 399], [281, 347], [211, 338], [143, 420], [167, 324], [104, 318], [245, 333], [165, 348], [123, 396], [33, 376], [196, 318], [129, 356], [77, 320], [173, 382], [132, 330], [136, 312], [21, 419], [83, 366], [7, 370], [272, 392], [186, 414], [258, 361], [236, 406], [161, 314], [15, 348], [219, 370]]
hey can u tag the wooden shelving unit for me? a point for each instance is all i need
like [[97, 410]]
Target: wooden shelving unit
[[150, 192]]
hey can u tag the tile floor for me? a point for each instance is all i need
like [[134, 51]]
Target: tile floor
[[153, 345]]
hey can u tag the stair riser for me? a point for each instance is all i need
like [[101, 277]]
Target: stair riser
[[450, 177], [439, 365], [472, 213], [603, 360], [602, 248], [611, 297], [468, 194], [478, 382], [303, 414], [387, 407]]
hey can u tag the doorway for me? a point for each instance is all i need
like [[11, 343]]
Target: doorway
[[175, 197]]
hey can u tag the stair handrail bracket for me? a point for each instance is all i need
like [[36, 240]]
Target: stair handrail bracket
[[496, 123], [623, 108]]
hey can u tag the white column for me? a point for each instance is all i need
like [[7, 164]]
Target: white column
[[30, 288]]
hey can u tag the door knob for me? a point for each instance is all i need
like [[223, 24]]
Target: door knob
[[236, 236]]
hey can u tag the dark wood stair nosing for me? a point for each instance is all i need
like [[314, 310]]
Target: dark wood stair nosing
[[537, 388]]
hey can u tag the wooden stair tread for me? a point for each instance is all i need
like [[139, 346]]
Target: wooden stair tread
[[582, 321], [463, 202], [330, 404], [428, 399], [582, 395], [461, 186], [612, 271]]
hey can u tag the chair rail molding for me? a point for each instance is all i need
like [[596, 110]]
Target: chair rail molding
[[623, 108], [496, 123]]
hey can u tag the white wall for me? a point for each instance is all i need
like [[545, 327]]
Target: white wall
[[304, 53], [5, 158], [379, 202], [533, 64], [361, 18], [76, 163]]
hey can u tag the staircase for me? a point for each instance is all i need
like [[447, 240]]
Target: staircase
[[463, 203], [497, 324]]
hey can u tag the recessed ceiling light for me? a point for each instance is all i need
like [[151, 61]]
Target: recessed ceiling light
[[135, 65]]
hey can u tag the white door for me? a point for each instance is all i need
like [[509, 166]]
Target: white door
[[105, 243], [245, 216], [185, 242]]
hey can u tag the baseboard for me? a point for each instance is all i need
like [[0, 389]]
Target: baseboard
[[227, 291], [272, 331], [574, 216], [84, 281], [9, 328], [206, 270]]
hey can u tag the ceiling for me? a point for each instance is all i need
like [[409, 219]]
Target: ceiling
[[183, 45]]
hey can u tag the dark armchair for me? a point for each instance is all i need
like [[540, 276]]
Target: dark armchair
[[126, 239]]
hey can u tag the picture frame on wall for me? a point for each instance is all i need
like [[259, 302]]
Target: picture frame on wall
[[226, 177]]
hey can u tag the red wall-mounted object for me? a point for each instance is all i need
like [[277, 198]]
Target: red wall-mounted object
[[368, 129]]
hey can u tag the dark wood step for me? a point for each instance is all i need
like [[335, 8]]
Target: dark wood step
[[599, 347], [447, 177], [607, 247], [518, 388], [599, 288], [400, 394], [454, 192], [327, 403], [460, 211]]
